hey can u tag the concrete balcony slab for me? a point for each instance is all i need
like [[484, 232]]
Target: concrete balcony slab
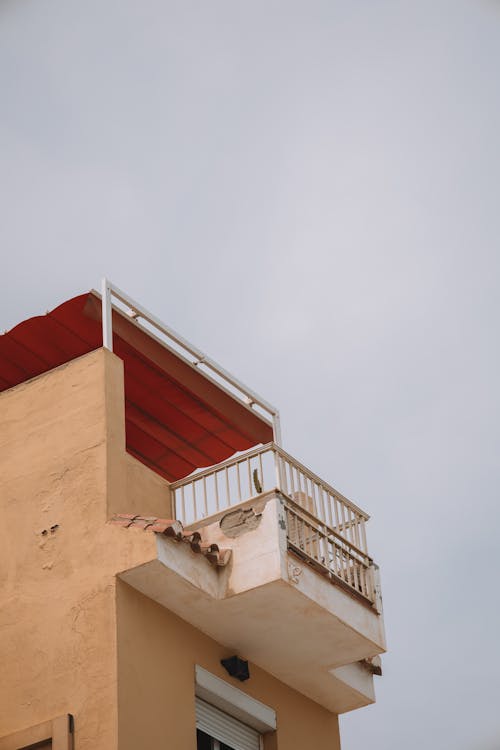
[[270, 606]]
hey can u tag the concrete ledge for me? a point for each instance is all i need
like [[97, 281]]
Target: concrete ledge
[[267, 606]]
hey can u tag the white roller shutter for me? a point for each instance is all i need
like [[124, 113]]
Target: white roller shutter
[[225, 728]]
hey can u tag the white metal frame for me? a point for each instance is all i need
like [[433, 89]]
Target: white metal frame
[[57, 731], [136, 311], [233, 701]]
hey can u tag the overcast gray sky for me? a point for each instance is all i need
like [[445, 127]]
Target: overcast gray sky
[[310, 192]]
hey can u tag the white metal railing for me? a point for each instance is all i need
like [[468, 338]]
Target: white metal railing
[[136, 312], [228, 483], [323, 526], [329, 552], [262, 469], [321, 500]]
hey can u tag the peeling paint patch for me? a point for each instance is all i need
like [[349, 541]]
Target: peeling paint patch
[[239, 522]]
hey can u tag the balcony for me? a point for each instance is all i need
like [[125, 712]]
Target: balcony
[[300, 596], [324, 529]]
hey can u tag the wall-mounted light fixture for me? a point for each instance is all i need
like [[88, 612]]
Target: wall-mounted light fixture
[[236, 667]]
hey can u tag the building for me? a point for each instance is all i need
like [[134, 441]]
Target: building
[[144, 606]]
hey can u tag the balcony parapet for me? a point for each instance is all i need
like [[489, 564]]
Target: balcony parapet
[[324, 528]]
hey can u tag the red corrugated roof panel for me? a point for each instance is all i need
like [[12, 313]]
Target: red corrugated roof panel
[[176, 418]]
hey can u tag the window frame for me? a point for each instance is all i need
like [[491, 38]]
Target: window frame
[[235, 703], [215, 743], [58, 731]]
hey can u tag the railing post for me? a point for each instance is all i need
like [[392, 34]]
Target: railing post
[[107, 325], [277, 468], [276, 428], [173, 504], [376, 590]]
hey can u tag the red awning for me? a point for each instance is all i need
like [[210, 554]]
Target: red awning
[[177, 419]]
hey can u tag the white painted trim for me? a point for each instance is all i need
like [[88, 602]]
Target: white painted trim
[[235, 702], [107, 325]]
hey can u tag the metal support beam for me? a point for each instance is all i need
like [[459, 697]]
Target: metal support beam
[[248, 396], [107, 325]]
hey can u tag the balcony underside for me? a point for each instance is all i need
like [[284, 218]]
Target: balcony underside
[[271, 608]]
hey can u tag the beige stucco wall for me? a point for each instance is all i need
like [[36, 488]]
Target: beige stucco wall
[[61, 458], [157, 653], [63, 472], [147, 494]]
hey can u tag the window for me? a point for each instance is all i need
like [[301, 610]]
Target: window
[[205, 742], [216, 730], [228, 718]]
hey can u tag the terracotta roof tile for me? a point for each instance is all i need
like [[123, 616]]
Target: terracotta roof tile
[[174, 529]]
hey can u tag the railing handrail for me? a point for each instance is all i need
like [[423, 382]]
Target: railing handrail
[[287, 456]]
